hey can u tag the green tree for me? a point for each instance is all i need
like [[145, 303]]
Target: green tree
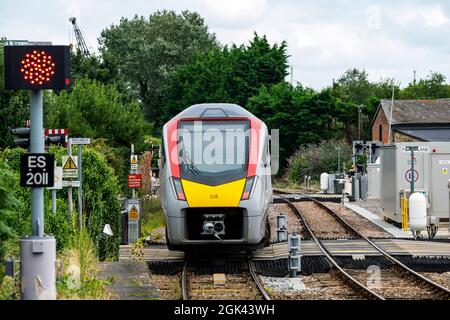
[[434, 86], [302, 115], [227, 75], [95, 110], [146, 52]]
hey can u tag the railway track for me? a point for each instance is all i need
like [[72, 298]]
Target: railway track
[[394, 282], [243, 286]]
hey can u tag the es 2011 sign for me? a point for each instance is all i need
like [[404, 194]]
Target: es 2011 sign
[[36, 170]]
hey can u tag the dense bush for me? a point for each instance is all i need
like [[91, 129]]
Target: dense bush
[[8, 204], [314, 159], [101, 204], [100, 196]]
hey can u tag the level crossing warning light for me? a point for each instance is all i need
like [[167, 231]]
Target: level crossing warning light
[[37, 67]]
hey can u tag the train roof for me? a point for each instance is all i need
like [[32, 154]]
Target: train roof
[[215, 110]]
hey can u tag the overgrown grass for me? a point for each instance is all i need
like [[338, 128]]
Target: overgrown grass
[[152, 216], [292, 185], [79, 268]]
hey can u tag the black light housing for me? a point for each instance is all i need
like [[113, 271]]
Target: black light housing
[[37, 67]]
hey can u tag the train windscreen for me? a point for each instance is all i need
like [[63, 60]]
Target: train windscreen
[[213, 152]]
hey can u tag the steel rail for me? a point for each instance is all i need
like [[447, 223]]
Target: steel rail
[[259, 285], [184, 282], [329, 257], [444, 291]]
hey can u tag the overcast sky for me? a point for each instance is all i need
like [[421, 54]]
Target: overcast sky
[[325, 37]]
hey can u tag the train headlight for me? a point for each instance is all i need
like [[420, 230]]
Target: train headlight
[[178, 189], [247, 193]]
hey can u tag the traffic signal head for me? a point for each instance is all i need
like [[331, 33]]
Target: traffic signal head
[[37, 67], [23, 135]]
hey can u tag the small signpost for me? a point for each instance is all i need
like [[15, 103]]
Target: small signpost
[[36, 170], [57, 185], [133, 204], [135, 181], [80, 142], [71, 184], [134, 162], [70, 167], [133, 208]]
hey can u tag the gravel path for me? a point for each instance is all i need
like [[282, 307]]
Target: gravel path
[[130, 280]]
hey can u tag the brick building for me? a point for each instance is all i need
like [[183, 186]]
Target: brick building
[[412, 120]]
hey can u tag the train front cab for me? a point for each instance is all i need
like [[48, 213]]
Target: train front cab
[[209, 206]]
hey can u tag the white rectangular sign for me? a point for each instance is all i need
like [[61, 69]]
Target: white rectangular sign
[[73, 184], [81, 140], [420, 150], [444, 161], [57, 178]]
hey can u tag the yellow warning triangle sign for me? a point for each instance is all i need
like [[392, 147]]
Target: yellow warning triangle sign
[[134, 210], [70, 164], [134, 160]]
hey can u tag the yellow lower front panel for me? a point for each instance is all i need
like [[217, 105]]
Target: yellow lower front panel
[[224, 195]]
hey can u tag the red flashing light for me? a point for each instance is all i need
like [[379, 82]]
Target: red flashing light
[[38, 66]]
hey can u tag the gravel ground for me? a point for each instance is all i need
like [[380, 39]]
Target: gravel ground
[[324, 225], [441, 278], [318, 286], [168, 286], [157, 235], [237, 287], [393, 286], [292, 221], [366, 227]]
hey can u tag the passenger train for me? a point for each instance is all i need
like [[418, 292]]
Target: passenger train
[[215, 178]]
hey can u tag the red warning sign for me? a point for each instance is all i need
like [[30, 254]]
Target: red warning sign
[[135, 181]]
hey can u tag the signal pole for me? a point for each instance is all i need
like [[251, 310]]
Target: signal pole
[[38, 252], [51, 71], [69, 188]]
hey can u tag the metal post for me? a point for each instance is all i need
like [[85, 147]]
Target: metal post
[[339, 158], [448, 185], [69, 189], [133, 191], [359, 121], [54, 201], [37, 146], [413, 174], [38, 252], [80, 190]]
